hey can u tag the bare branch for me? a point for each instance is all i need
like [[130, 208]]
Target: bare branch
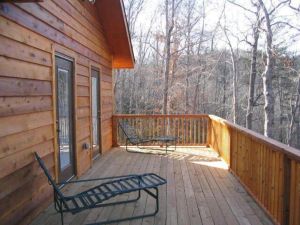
[[236, 4], [287, 24], [277, 6], [294, 8]]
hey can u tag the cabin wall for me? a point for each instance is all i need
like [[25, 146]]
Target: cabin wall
[[30, 33]]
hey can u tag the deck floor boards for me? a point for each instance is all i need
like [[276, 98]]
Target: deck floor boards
[[200, 190]]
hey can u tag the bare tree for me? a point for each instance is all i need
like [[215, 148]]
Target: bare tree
[[234, 77], [189, 23], [253, 70], [133, 10], [255, 33], [294, 109], [170, 11], [200, 61], [183, 66], [268, 75]]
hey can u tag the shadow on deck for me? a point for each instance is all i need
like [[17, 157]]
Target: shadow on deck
[[200, 190]]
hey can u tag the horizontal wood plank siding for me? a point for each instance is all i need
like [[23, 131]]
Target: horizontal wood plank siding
[[29, 32]]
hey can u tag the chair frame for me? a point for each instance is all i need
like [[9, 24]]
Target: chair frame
[[62, 207], [135, 139]]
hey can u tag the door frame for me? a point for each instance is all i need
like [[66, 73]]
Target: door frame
[[68, 54], [97, 67], [69, 172]]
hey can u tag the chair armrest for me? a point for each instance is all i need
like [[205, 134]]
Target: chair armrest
[[95, 179]]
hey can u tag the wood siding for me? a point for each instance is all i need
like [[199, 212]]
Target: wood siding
[[30, 33]]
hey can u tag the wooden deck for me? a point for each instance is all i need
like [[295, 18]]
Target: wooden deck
[[200, 190]]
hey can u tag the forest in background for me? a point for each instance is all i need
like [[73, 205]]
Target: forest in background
[[197, 57]]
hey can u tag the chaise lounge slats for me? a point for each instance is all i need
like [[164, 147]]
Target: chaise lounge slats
[[82, 200], [95, 195], [89, 198], [108, 189], [149, 181], [98, 195], [130, 185], [116, 187], [127, 186], [155, 178]]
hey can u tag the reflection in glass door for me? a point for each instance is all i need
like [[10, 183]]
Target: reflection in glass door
[[96, 127], [64, 111]]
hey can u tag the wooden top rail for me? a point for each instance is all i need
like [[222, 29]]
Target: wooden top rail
[[125, 116], [275, 145]]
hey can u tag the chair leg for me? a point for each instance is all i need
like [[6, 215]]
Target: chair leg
[[62, 217], [157, 202]]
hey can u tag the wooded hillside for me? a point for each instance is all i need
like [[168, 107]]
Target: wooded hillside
[[237, 60]]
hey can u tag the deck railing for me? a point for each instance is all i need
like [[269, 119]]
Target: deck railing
[[268, 169], [191, 129]]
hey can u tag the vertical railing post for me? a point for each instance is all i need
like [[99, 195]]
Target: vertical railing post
[[209, 132], [286, 190], [115, 131]]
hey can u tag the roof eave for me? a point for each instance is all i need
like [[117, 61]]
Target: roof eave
[[113, 19]]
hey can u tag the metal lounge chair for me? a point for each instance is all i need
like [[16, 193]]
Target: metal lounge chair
[[133, 138], [109, 188]]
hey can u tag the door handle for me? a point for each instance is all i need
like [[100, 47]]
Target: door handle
[[57, 127]]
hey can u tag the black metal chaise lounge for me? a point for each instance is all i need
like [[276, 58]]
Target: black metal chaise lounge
[[97, 196], [133, 138]]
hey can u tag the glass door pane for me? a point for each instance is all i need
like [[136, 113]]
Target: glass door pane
[[64, 120], [64, 111], [95, 113]]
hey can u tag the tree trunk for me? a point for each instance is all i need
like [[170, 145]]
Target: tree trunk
[[224, 92], [234, 87], [187, 87], [281, 116], [234, 79], [195, 100], [200, 62], [294, 113], [188, 53], [268, 78], [169, 29], [253, 72]]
